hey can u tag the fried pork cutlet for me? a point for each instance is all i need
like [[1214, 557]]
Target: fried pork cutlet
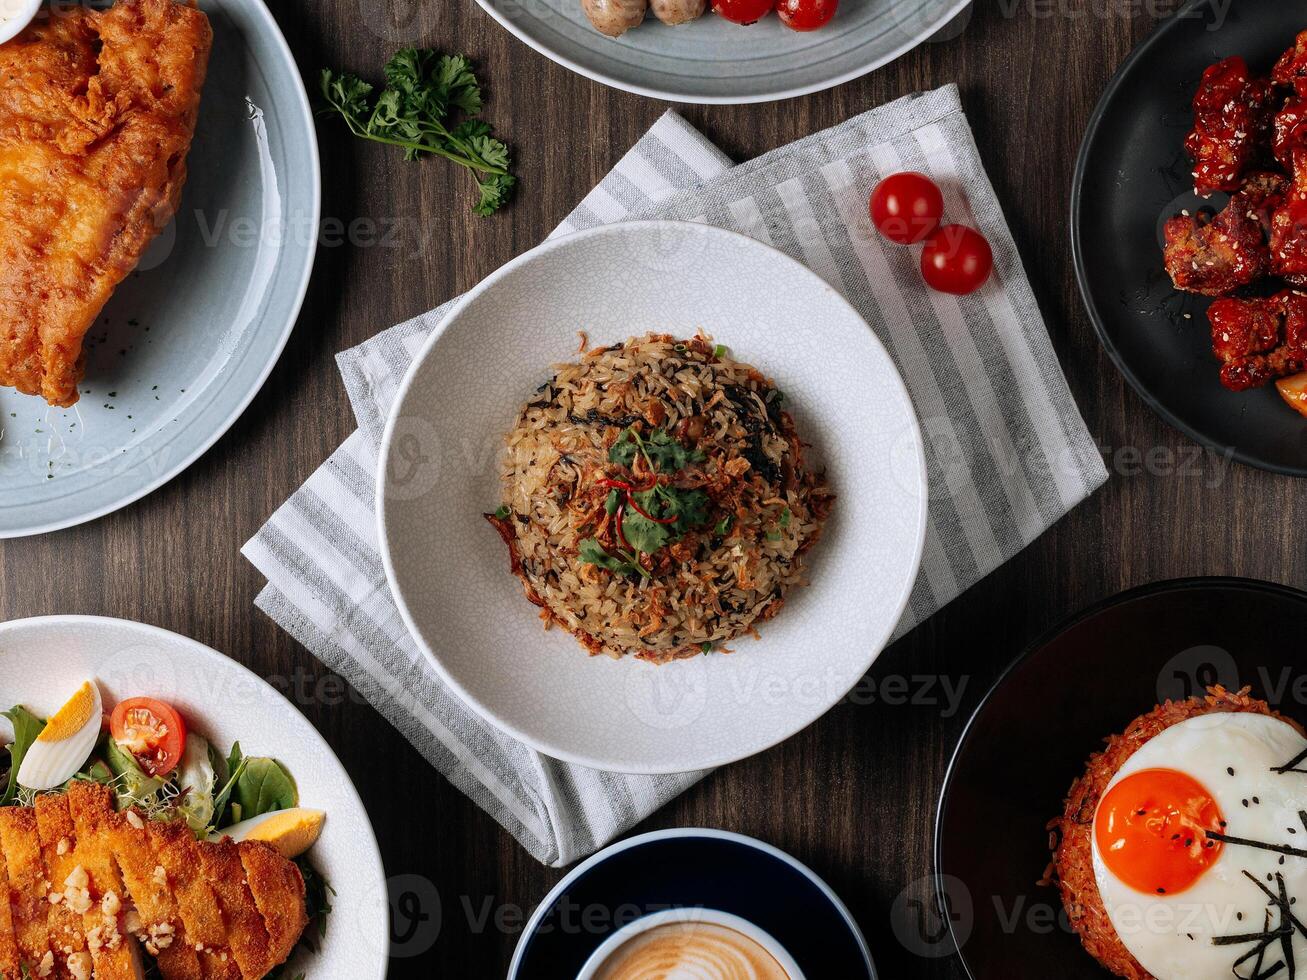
[[86, 892], [21, 847], [59, 851], [97, 113], [1259, 340]]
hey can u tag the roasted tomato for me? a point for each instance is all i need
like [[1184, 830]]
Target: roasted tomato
[[806, 15], [150, 730], [743, 11]]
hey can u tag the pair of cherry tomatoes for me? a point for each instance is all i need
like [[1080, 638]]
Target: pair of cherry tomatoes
[[907, 208], [797, 15]]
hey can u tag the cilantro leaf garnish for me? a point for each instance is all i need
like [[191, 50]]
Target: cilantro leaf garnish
[[593, 553], [660, 450], [426, 108]]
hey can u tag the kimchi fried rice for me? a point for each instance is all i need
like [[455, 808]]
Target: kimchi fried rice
[[656, 502], [1070, 834]]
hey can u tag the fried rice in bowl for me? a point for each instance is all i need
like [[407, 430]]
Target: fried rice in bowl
[[733, 495], [656, 499]]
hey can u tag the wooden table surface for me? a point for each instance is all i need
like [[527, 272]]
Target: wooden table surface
[[853, 795]]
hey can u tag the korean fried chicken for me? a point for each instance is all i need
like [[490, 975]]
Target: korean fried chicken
[[1250, 139], [1259, 340], [92, 892], [97, 113], [1233, 113], [1216, 256]]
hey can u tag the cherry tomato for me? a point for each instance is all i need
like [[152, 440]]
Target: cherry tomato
[[743, 11], [956, 259], [151, 731], [805, 15], [906, 207]]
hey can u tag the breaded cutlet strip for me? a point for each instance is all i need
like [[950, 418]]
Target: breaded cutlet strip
[[28, 886], [97, 114], [178, 852], [247, 936], [146, 880], [58, 850], [8, 944], [115, 953], [278, 890]]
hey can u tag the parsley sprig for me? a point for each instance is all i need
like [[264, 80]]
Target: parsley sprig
[[428, 106]]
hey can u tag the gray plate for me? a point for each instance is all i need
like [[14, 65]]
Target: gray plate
[[712, 60], [190, 337]]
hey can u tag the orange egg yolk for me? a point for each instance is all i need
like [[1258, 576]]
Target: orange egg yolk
[[1151, 830]]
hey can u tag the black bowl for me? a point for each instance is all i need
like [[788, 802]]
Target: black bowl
[[1131, 176], [1035, 729], [692, 868]]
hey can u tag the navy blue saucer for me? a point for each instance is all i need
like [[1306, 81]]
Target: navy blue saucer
[[692, 868]]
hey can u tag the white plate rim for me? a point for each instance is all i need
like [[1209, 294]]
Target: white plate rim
[[704, 99], [370, 846], [383, 455], [205, 444], [547, 902]]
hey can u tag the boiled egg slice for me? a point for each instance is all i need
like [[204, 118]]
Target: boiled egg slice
[[291, 832], [65, 743]]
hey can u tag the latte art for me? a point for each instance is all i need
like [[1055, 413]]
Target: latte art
[[691, 951]]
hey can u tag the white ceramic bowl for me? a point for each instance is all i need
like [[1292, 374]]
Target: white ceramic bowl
[[43, 660], [15, 15], [440, 472], [695, 916]]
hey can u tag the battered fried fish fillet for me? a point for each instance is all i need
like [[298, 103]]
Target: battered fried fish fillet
[[97, 113]]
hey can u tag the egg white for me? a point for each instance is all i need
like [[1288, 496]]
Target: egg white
[[1171, 935], [48, 764]]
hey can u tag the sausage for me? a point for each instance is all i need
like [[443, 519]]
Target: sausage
[[615, 17], [678, 11]]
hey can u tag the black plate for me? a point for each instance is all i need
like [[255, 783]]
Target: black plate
[[688, 869], [1031, 735], [1131, 176]]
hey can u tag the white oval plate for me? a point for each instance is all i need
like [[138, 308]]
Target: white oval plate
[[714, 61], [43, 660], [440, 472]]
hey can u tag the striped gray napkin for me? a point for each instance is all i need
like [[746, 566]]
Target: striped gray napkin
[[1007, 451]]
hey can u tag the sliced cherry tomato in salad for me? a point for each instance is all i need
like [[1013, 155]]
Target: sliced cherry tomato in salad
[[906, 208], [806, 15], [956, 259], [150, 730], [743, 11]]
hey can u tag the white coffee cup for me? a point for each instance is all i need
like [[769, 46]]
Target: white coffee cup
[[689, 916]]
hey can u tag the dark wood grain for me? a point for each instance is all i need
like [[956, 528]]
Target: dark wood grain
[[854, 795]]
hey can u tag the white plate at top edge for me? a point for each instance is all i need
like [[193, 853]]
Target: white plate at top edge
[[712, 61]]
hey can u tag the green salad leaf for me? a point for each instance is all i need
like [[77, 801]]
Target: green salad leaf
[[132, 783], [264, 785], [26, 729]]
